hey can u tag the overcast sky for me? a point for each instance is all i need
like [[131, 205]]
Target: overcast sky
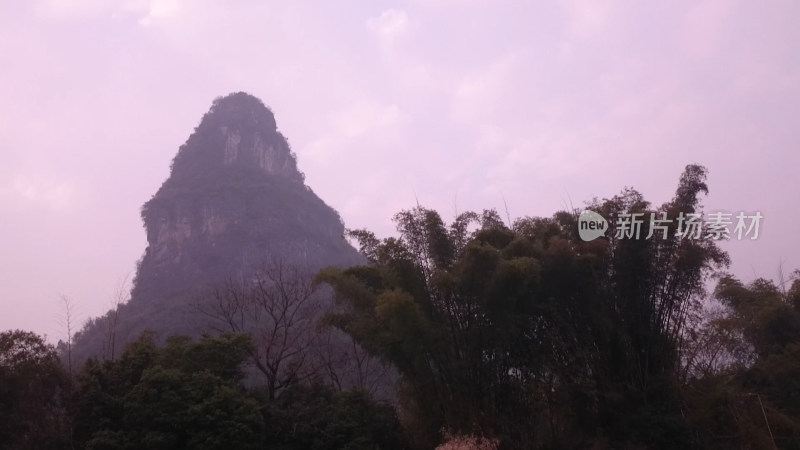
[[457, 103]]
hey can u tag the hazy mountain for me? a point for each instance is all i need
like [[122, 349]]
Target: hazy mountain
[[234, 199]]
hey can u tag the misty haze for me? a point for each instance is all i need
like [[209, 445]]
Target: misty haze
[[428, 224]]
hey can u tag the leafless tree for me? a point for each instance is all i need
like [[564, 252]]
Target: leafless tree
[[278, 308], [346, 364], [66, 321], [714, 345], [120, 297]]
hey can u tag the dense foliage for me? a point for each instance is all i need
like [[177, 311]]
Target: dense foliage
[[504, 335], [527, 333], [183, 395], [33, 393]]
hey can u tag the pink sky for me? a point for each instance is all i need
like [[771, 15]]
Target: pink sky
[[459, 103]]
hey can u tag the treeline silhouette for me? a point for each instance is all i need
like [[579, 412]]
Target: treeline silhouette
[[500, 335]]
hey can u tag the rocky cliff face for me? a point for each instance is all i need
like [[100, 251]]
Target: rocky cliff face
[[234, 199]]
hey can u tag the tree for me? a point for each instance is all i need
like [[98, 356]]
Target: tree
[[766, 317], [67, 323], [280, 307], [184, 395], [528, 333], [743, 367], [33, 385], [120, 298], [188, 394], [318, 417], [425, 305], [345, 364]]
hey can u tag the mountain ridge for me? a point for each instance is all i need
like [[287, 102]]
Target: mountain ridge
[[234, 198]]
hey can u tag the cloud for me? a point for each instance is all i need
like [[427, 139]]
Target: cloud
[[390, 24], [580, 98], [147, 11], [69, 10], [482, 92], [586, 18], [363, 117], [364, 124], [704, 27], [760, 74], [56, 195], [159, 10]]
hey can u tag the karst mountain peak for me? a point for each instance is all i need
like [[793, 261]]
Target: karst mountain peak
[[239, 131], [234, 200]]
